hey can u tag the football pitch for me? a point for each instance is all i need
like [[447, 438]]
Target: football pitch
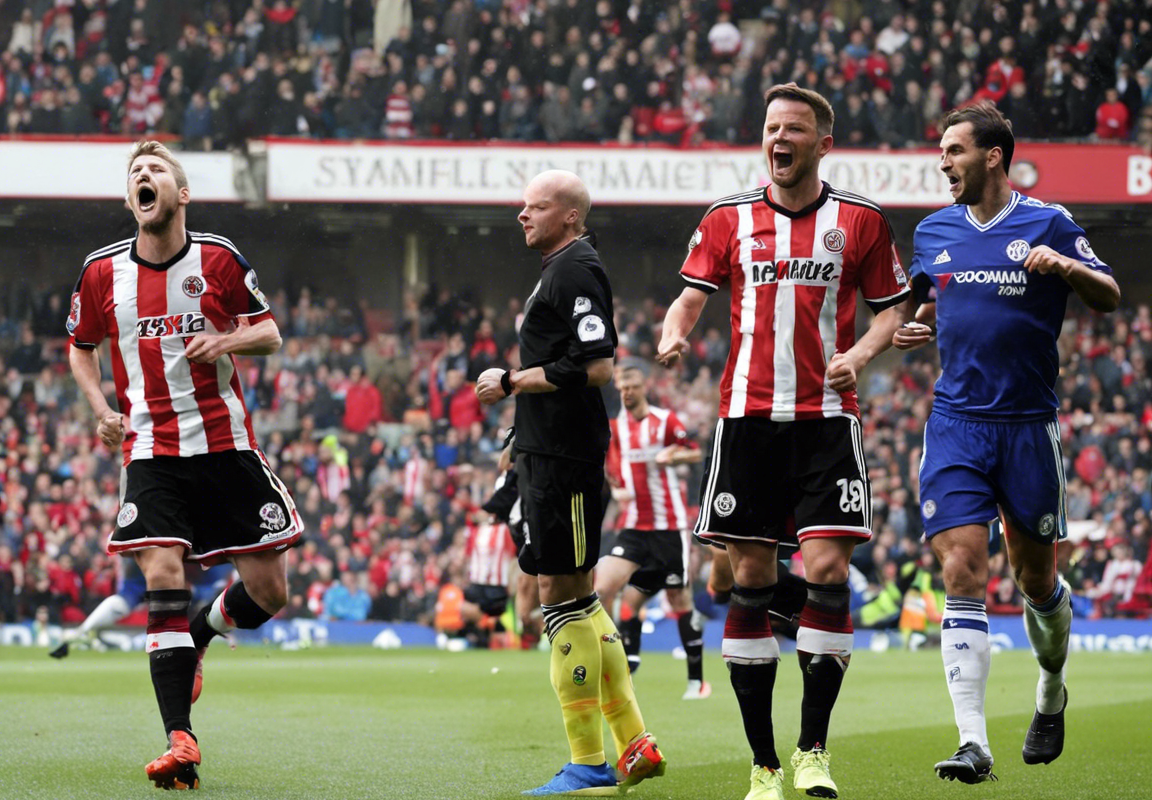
[[345, 722]]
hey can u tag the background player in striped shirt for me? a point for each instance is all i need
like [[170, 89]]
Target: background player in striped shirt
[[176, 306], [787, 462], [651, 550], [1000, 267], [491, 552]]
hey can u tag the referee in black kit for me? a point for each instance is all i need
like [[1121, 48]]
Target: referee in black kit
[[567, 344]]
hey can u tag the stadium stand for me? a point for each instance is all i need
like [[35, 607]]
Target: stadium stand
[[216, 73]]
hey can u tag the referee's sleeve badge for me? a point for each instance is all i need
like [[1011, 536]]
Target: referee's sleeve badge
[[590, 329]]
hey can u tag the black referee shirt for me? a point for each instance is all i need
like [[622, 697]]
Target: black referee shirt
[[567, 323]]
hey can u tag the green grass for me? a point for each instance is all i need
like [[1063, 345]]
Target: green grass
[[359, 723]]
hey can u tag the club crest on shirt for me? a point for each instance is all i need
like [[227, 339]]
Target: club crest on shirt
[[583, 306], [1018, 250], [127, 515], [697, 237], [193, 286], [834, 240], [73, 314], [273, 516]]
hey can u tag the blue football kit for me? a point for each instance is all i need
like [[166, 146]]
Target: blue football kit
[[992, 439]]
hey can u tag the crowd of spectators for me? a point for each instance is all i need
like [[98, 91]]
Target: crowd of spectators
[[215, 73], [376, 430]]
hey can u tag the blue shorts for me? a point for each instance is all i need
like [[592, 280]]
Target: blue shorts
[[972, 470]]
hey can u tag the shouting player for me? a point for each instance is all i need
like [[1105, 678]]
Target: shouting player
[[176, 306], [651, 550], [787, 460], [1001, 266]]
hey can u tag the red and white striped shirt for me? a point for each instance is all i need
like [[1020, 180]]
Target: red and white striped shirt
[[659, 502], [794, 277], [490, 552], [150, 311]]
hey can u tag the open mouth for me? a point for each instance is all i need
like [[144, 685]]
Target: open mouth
[[781, 159], [146, 198]]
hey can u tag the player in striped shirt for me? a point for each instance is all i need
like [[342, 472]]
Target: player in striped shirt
[[651, 551], [490, 552], [175, 306], [788, 446]]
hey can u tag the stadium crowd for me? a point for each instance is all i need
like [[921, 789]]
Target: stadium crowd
[[377, 432], [215, 73]]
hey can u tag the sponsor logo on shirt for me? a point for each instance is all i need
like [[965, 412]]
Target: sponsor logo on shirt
[[187, 324], [1011, 282], [943, 258], [794, 270]]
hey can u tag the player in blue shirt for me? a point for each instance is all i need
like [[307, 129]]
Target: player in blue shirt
[[999, 267]]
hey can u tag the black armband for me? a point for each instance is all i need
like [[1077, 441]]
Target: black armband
[[506, 382], [563, 374]]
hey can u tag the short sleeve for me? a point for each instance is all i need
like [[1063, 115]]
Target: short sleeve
[[881, 277], [1068, 239], [923, 289], [244, 296], [708, 265], [580, 298], [86, 323]]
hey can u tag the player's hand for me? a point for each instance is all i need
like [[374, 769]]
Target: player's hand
[[911, 335], [622, 495], [1044, 260], [505, 462], [665, 457], [669, 350], [112, 429], [841, 373], [488, 388], [206, 348]]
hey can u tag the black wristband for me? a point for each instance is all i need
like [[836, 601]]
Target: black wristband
[[506, 382]]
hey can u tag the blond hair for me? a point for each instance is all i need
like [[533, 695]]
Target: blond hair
[[154, 148], [825, 117]]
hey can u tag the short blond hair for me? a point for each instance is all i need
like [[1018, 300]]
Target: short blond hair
[[154, 148], [825, 117]]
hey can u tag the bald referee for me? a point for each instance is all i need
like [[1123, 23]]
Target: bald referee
[[567, 344]]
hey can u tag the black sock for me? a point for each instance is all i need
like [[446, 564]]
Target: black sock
[[201, 631], [243, 610], [630, 638], [825, 613], [171, 656], [693, 640], [753, 686]]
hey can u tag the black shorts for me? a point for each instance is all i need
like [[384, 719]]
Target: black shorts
[[785, 482], [493, 600], [562, 508], [662, 556], [216, 505]]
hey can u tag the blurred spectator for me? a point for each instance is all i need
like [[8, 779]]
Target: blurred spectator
[[1112, 117]]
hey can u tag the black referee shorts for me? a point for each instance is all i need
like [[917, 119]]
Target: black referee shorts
[[562, 508]]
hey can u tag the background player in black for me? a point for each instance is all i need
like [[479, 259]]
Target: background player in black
[[567, 344]]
